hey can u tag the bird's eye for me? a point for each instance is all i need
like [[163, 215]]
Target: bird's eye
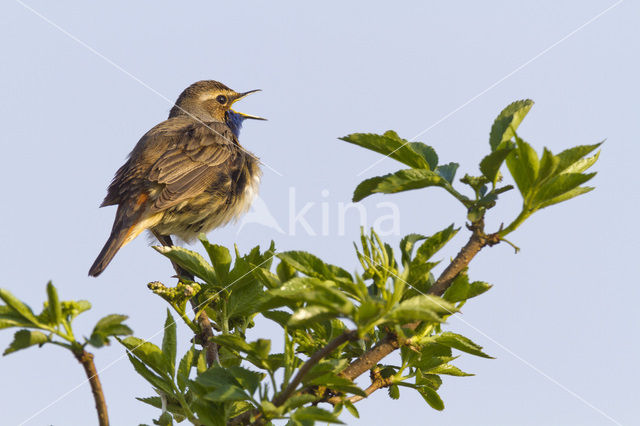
[[222, 99]]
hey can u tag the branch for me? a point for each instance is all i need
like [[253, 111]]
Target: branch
[[86, 359], [315, 358], [377, 382], [206, 330], [477, 241], [247, 416]]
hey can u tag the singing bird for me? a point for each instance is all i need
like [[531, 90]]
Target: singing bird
[[187, 175]]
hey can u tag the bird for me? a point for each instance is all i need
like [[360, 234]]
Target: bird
[[187, 175]]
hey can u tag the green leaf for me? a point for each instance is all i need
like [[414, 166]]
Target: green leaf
[[391, 145], [461, 290], [548, 165], [460, 343], [24, 338], [315, 414], [402, 180], [156, 381], [490, 165], [149, 354], [449, 370], [507, 122], [313, 266], [572, 156], [434, 243], [18, 307], [335, 382], [305, 316], [447, 171], [351, 408], [10, 318], [559, 185], [280, 317], [426, 152], [169, 342], [184, 369], [192, 262], [220, 257], [55, 310], [432, 397], [421, 308], [566, 196], [315, 291], [110, 325], [298, 401], [394, 392], [406, 245], [523, 165]]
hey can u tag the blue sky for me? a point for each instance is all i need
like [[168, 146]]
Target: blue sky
[[81, 82]]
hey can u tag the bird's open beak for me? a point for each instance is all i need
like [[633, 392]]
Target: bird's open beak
[[242, 114]]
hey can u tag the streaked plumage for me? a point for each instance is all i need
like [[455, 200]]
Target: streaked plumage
[[186, 175]]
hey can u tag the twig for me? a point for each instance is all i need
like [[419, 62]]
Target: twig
[[86, 359], [206, 330], [377, 382], [313, 360], [477, 241]]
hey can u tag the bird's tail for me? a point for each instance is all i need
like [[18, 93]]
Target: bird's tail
[[111, 247], [129, 224]]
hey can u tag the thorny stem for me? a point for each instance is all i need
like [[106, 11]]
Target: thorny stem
[[86, 359]]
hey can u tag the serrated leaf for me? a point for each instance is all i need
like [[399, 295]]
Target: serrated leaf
[[298, 401], [402, 180], [22, 339], [571, 156], [426, 152], [461, 289], [315, 414], [548, 165], [447, 171], [559, 185], [10, 318], [566, 196], [434, 243], [490, 165], [192, 262], [305, 316], [280, 317], [523, 165], [169, 342], [391, 145], [508, 121], [149, 354], [450, 370], [110, 325], [394, 392], [219, 256], [431, 397], [55, 310], [315, 292], [156, 381], [313, 266], [460, 343], [407, 244], [184, 369], [421, 308], [18, 307]]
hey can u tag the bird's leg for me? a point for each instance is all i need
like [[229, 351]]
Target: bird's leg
[[206, 329]]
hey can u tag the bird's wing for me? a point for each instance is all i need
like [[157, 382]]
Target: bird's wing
[[195, 162]]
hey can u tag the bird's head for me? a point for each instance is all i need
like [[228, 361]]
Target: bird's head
[[209, 100]]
